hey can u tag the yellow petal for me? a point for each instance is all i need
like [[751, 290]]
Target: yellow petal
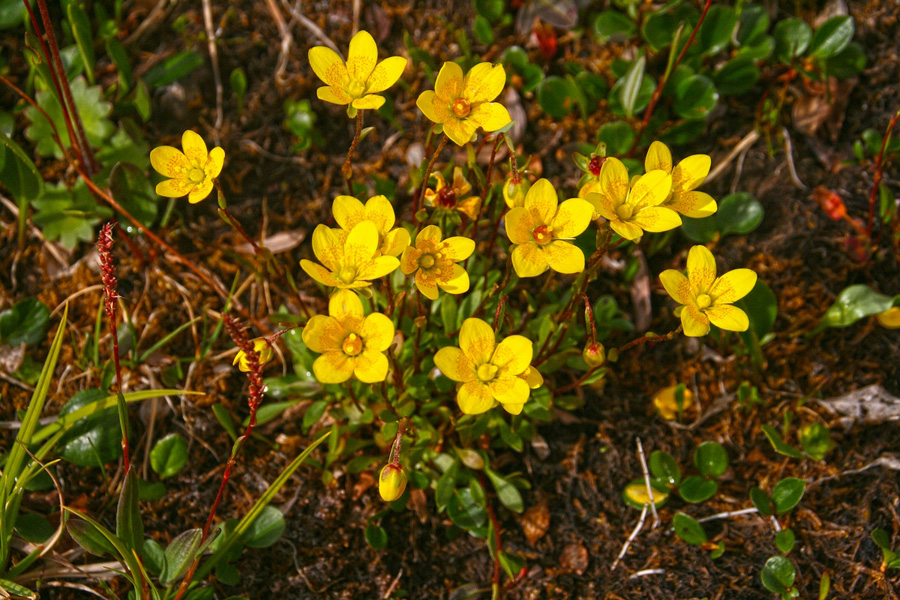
[[677, 285], [425, 102], [214, 163], [449, 81], [170, 162], [701, 268], [726, 316], [460, 185], [513, 409], [591, 187], [658, 157], [510, 391], [454, 364], [474, 398], [335, 95], [378, 267], [319, 273], [490, 116], [395, 242], [327, 246], [386, 74], [572, 218], [603, 204], [371, 367], [512, 356], [409, 262], [520, 224], [323, 334], [564, 257], [348, 212], [200, 192], [377, 332], [692, 204], [627, 230], [431, 233], [194, 148], [483, 83], [344, 304], [369, 101], [889, 319], [333, 367], [528, 260], [457, 248], [328, 66], [650, 189], [732, 286], [426, 285], [542, 200], [656, 218], [694, 322], [361, 244], [460, 131], [362, 56], [380, 211], [614, 180], [532, 377], [457, 282], [690, 172], [476, 340], [174, 188], [471, 206]]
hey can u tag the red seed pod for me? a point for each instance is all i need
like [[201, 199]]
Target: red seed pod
[[546, 37], [830, 202], [596, 165]]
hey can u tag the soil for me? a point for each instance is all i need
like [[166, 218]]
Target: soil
[[589, 454]]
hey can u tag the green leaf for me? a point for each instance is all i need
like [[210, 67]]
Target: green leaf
[[664, 468], [631, 86], [81, 31], [12, 14], [376, 537], [26, 322], [832, 37], [127, 145], [739, 213], [761, 307], [169, 455], [269, 411], [613, 26], [449, 310], [761, 49], [228, 574], [792, 37], [848, 63], [94, 440], [132, 189], [179, 554], [117, 53], [446, 485], [761, 501], [815, 440], [129, 527], [12, 588], [555, 97], [711, 459], [68, 215], [696, 489], [780, 446], [174, 68], [618, 137], [238, 82], [854, 303], [17, 170], [34, 527], [92, 108], [481, 27], [507, 493], [754, 23], [266, 529], [778, 575], [695, 97], [492, 10], [688, 529], [881, 539], [824, 586], [737, 76], [89, 537], [464, 511], [659, 27], [154, 556], [787, 494], [313, 413], [784, 540], [716, 30]]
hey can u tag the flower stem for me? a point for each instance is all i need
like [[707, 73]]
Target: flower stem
[[879, 171], [347, 169], [418, 200]]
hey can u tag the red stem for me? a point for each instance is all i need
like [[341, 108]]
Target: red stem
[[589, 317], [500, 304], [879, 172]]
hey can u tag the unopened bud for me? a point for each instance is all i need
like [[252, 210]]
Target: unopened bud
[[263, 350], [391, 482], [514, 191], [594, 354]]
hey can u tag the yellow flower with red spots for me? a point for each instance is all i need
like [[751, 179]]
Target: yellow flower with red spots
[[634, 207], [463, 103], [357, 81], [349, 343], [686, 176], [351, 260], [434, 262], [541, 229], [706, 298], [450, 196], [489, 372], [192, 172], [349, 212]]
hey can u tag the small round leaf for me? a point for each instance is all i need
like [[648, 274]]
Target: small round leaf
[[695, 97], [689, 529], [697, 489], [787, 494], [832, 37], [792, 37], [664, 468], [711, 459], [778, 575], [169, 455]]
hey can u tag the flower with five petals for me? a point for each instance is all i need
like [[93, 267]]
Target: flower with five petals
[[192, 172], [349, 212], [358, 81], [349, 343], [541, 229], [487, 371], [434, 262], [463, 103], [350, 260], [450, 196], [706, 298], [686, 176]]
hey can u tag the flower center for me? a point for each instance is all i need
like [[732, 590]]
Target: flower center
[[461, 107], [196, 175], [703, 301], [595, 165], [352, 345], [426, 261], [357, 89], [543, 234], [347, 275], [446, 197], [624, 212], [487, 372]]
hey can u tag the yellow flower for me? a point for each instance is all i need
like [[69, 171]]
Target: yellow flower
[[433, 262], [263, 350], [632, 209], [667, 406], [889, 319], [449, 197], [192, 172], [392, 482], [706, 298], [358, 81], [538, 231], [349, 343], [514, 191], [463, 104], [489, 372], [532, 377], [686, 176], [351, 260], [349, 212]]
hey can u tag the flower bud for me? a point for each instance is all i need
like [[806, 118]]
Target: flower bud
[[889, 318], [594, 354], [263, 350], [392, 482], [514, 191]]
